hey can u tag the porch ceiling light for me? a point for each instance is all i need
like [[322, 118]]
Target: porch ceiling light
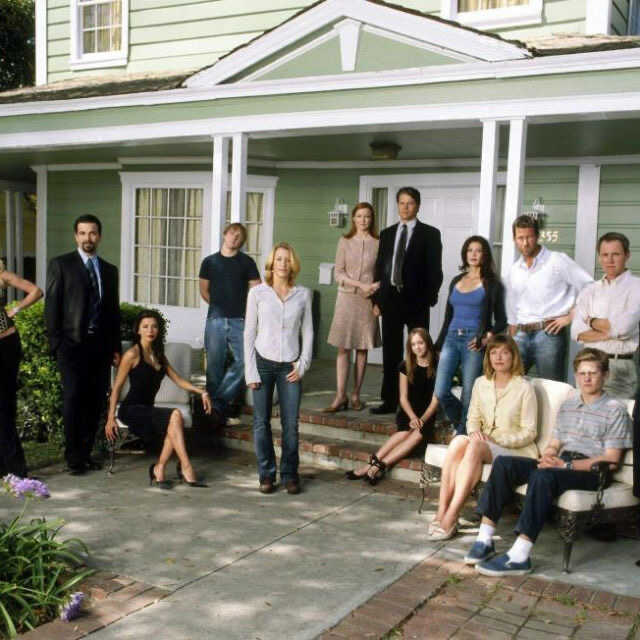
[[384, 150]]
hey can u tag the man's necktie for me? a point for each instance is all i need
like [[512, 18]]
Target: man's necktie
[[94, 295], [400, 253]]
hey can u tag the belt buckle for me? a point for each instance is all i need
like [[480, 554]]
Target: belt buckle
[[460, 332]]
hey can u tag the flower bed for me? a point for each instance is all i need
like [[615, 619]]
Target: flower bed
[[37, 572]]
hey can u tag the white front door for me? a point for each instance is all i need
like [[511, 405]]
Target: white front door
[[453, 209]]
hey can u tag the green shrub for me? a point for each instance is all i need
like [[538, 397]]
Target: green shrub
[[40, 393]]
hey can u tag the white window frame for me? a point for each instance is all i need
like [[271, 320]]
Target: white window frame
[[186, 324], [516, 16], [80, 60]]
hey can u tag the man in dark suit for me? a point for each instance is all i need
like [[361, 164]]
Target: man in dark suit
[[82, 313], [409, 269]]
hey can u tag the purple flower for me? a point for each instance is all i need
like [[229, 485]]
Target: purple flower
[[71, 609], [25, 487]]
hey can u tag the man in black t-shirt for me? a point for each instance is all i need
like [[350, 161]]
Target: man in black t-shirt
[[225, 278]]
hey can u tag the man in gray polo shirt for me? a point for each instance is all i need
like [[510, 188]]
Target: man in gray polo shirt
[[591, 427]]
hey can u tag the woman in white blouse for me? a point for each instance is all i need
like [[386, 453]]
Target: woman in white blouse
[[278, 313]]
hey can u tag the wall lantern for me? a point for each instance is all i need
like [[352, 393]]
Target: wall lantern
[[338, 215]]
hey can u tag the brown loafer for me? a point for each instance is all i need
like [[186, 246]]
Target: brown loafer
[[292, 487], [266, 486]]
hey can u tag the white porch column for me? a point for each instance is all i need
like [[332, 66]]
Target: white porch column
[[41, 224], [10, 238], [219, 189], [488, 174], [515, 185], [587, 216], [19, 239], [239, 177]]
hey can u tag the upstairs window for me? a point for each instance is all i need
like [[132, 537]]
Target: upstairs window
[[493, 14], [99, 33], [481, 5]]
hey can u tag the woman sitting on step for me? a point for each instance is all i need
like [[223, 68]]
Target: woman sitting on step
[[501, 421], [417, 408]]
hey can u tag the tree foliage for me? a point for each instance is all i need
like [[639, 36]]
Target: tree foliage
[[17, 43]]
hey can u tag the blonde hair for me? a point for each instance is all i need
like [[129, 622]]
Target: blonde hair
[[411, 360], [294, 260], [502, 340], [236, 226]]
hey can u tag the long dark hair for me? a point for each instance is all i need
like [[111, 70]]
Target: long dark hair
[[373, 230], [487, 266], [411, 360], [157, 346]]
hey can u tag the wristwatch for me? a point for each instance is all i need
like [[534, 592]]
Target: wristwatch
[[568, 465]]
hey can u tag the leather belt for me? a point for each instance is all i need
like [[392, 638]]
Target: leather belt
[[620, 356], [532, 326]]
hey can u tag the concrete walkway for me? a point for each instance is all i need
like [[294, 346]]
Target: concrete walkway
[[242, 565]]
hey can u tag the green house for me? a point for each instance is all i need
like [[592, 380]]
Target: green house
[[168, 118]]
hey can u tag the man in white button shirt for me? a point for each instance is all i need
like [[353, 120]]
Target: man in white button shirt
[[542, 287], [608, 312]]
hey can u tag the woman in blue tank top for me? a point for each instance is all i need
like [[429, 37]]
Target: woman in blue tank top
[[475, 311]]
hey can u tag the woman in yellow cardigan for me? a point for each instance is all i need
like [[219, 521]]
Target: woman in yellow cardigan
[[502, 420]]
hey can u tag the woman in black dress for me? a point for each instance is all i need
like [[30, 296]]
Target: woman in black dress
[[417, 408], [146, 365]]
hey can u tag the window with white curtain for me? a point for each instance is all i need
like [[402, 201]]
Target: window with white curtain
[[480, 5], [99, 33], [253, 222], [493, 14], [167, 246]]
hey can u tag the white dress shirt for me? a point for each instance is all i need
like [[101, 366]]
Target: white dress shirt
[[272, 328], [545, 290], [411, 225], [618, 301]]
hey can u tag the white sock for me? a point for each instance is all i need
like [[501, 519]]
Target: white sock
[[485, 534], [520, 550]]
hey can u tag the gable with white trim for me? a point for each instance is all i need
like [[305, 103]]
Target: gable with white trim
[[338, 37]]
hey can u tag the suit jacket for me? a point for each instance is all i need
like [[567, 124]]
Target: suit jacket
[[67, 302], [421, 272]]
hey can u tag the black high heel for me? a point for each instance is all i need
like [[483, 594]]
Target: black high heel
[[352, 475], [381, 466], [181, 477], [162, 484]]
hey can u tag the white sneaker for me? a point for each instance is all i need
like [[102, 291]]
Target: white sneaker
[[233, 422]]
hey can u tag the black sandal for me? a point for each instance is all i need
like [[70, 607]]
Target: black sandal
[[351, 475], [381, 466]]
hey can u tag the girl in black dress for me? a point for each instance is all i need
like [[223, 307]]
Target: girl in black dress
[[146, 365], [417, 408]]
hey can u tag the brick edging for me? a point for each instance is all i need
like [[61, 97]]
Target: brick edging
[[109, 597]]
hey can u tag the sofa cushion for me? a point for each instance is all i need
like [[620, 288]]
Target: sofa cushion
[[619, 494], [550, 395]]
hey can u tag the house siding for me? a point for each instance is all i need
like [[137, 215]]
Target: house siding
[[191, 34], [181, 34], [619, 207]]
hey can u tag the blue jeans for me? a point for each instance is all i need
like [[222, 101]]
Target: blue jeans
[[274, 374], [455, 353], [222, 335], [545, 350]]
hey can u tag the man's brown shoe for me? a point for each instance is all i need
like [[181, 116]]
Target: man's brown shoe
[[292, 487], [266, 486]]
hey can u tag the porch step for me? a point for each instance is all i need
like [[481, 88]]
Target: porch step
[[353, 446]]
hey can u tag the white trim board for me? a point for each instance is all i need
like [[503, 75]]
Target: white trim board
[[548, 65], [41, 224], [41, 42], [317, 120], [427, 163]]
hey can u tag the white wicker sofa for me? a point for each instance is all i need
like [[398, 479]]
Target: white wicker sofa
[[577, 510], [169, 394]]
